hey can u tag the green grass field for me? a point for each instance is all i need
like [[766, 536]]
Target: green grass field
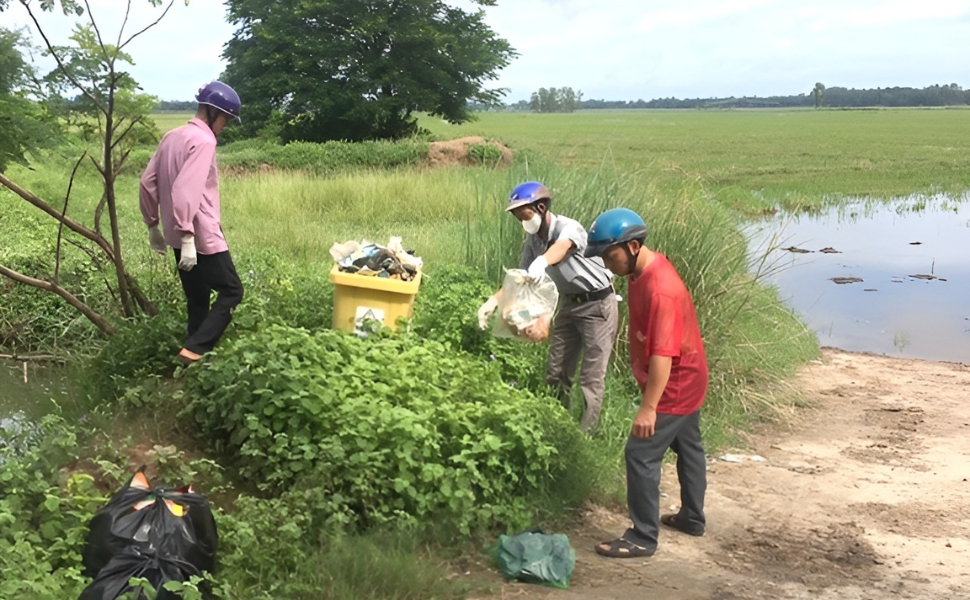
[[170, 120], [747, 159], [752, 159]]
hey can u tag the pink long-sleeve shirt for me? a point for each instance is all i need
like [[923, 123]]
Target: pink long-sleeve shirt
[[181, 184]]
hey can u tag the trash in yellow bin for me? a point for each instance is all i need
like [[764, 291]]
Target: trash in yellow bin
[[373, 282]]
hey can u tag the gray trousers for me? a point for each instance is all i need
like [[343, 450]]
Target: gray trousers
[[682, 434], [588, 329]]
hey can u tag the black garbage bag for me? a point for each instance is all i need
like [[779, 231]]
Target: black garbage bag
[[170, 525], [112, 580]]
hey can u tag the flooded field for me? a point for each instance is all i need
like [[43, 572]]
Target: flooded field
[[890, 279]]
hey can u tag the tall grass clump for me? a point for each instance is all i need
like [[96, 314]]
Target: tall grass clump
[[324, 158], [753, 342]]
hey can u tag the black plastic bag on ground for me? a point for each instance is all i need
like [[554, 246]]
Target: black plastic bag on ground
[[169, 527], [112, 580]]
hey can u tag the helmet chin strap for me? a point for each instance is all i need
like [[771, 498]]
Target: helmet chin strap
[[543, 226], [211, 115], [631, 259]]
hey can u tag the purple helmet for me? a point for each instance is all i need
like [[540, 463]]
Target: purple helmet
[[527, 193], [221, 96]]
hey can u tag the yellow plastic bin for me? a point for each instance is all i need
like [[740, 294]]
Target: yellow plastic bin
[[357, 298]]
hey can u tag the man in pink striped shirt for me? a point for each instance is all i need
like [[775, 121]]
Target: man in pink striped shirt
[[180, 189]]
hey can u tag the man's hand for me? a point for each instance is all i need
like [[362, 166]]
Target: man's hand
[[486, 311], [644, 424], [156, 240], [537, 269], [188, 258]]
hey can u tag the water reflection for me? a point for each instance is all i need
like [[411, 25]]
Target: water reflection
[[906, 268], [33, 391]]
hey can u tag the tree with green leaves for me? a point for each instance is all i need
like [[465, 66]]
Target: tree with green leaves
[[320, 70], [555, 100], [117, 113], [24, 124], [818, 92]]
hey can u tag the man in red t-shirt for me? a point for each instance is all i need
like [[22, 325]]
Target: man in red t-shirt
[[669, 365]]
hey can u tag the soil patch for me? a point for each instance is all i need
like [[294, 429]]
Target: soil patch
[[469, 151], [863, 497]]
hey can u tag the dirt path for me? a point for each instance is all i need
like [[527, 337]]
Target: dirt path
[[866, 497]]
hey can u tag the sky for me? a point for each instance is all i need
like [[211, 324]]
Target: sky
[[621, 49]]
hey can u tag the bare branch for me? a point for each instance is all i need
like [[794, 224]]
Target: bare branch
[[147, 306], [98, 166], [98, 264], [60, 226], [128, 41], [97, 31], [57, 58], [98, 211], [122, 135], [30, 357], [121, 161], [123, 23], [71, 223], [98, 321]]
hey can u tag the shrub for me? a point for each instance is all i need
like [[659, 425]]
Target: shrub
[[485, 153], [446, 310], [382, 430], [142, 348], [42, 525], [327, 157]]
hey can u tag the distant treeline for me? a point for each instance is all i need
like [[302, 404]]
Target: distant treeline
[[177, 105], [934, 95], [837, 97]]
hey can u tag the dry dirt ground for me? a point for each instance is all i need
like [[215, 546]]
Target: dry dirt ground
[[865, 496]]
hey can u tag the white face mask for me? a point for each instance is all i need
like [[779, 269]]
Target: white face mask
[[532, 225]]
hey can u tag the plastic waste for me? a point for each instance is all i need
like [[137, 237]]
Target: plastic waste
[[156, 533], [536, 557], [526, 306], [366, 258]]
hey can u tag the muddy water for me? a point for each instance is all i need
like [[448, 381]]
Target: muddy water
[[47, 389], [908, 271]]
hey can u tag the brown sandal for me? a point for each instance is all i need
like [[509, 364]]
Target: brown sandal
[[621, 548], [674, 521]]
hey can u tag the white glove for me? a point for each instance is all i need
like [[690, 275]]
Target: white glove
[[156, 240], [189, 258], [538, 267], [486, 311]]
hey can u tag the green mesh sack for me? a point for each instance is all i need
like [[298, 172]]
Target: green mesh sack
[[535, 557]]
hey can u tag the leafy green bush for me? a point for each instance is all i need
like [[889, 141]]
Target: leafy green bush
[[446, 310], [42, 524], [278, 292], [142, 348], [385, 430], [487, 154]]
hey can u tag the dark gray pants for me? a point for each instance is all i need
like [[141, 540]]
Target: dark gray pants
[[207, 323], [682, 434], [588, 329]]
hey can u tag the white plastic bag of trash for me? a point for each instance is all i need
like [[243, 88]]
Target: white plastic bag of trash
[[526, 306]]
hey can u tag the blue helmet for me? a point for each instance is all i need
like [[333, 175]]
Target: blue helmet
[[221, 96], [615, 226], [527, 193]]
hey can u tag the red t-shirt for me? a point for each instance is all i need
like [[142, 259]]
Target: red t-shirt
[[663, 322]]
